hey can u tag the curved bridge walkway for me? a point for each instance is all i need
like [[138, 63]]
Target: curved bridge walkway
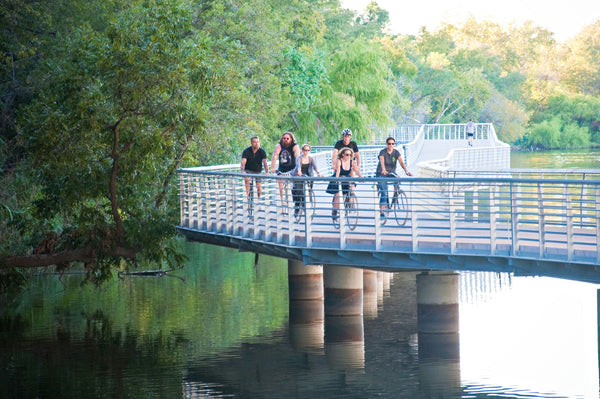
[[467, 211]]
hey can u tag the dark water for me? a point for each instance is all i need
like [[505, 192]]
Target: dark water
[[225, 327]]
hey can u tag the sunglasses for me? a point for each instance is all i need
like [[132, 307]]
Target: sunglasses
[[306, 150], [390, 143], [347, 154]]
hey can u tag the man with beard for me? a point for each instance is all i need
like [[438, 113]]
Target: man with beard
[[286, 152]]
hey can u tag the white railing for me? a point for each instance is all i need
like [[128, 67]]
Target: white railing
[[551, 219], [489, 154], [467, 203]]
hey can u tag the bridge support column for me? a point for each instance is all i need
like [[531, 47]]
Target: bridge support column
[[343, 290], [306, 307], [304, 282], [438, 332]]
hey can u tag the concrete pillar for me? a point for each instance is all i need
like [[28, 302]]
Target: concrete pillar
[[306, 307], [438, 332], [370, 294], [345, 342], [343, 290], [305, 282], [437, 302]]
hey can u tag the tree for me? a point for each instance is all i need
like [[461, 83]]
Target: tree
[[108, 130], [580, 71]]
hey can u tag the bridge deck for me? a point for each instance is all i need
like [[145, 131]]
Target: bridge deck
[[543, 222]]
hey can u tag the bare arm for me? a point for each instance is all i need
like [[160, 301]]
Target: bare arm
[[336, 167], [276, 152], [266, 165], [404, 166], [382, 163], [243, 164], [334, 157], [357, 156], [356, 169]]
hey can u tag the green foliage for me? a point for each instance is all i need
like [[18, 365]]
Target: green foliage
[[556, 134], [304, 75], [103, 101]]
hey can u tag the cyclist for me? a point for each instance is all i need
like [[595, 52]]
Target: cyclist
[[346, 141], [388, 157], [345, 166], [286, 152], [305, 166], [253, 160]]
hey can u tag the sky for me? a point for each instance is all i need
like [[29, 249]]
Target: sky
[[564, 18]]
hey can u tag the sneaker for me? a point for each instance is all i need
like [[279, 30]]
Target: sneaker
[[334, 215], [382, 216]]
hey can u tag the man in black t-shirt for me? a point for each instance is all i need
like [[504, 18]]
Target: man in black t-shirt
[[346, 141], [253, 160]]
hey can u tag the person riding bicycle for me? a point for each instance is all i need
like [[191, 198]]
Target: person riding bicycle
[[253, 160], [346, 141], [388, 157], [305, 166], [286, 152], [345, 166]]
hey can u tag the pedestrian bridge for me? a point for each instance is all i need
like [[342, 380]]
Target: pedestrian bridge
[[468, 210]]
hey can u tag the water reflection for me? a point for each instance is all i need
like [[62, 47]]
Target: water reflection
[[232, 329]]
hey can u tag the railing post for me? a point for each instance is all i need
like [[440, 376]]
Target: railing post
[[307, 218], [377, 217], [414, 228], [569, 209], [452, 219], [597, 203], [493, 210], [542, 221], [514, 214]]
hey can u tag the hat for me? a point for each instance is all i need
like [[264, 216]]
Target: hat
[[347, 132]]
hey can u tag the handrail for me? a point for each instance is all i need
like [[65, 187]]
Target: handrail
[[492, 216], [544, 215]]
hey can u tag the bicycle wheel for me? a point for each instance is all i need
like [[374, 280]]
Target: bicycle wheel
[[298, 216], [285, 205], [400, 207], [311, 203], [351, 210], [251, 199], [335, 219]]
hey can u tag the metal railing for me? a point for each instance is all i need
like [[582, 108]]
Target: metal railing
[[531, 218], [455, 208]]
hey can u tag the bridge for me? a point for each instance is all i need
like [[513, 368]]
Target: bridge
[[468, 210]]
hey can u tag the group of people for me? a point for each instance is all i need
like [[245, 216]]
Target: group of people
[[292, 160]]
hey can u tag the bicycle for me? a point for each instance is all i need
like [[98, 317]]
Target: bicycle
[[285, 194], [398, 206], [350, 209], [308, 203]]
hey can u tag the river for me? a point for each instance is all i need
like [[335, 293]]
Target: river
[[224, 327]]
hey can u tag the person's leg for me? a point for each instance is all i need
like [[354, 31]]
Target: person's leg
[[258, 188], [280, 184], [336, 203], [297, 196], [383, 194], [247, 184]]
